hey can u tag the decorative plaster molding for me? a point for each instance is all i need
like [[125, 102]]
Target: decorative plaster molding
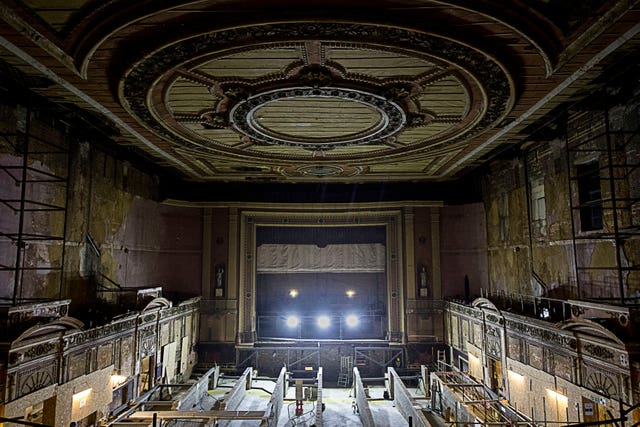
[[544, 336], [23, 313], [481, 70]]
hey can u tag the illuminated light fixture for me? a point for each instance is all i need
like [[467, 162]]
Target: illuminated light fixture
[[560, 397], [293, 321], [352, 320], [293, 293], [117, 380], [350, 293], [516, 376], [83, 394], [80, 399], [324, 321]]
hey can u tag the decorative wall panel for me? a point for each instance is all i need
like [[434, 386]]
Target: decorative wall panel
[[105, 355]]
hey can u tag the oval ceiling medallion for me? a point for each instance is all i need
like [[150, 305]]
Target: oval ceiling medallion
[[263, 117], [321, 171]]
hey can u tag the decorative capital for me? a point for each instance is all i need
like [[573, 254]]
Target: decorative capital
[[315, 76]]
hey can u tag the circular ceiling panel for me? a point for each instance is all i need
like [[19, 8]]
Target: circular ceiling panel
[[317, 118], [335, 91]]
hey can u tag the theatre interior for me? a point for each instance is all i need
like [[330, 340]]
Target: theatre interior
[[306, 213]]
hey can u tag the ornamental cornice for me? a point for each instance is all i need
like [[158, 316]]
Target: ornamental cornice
[[598, 351], [493, 318], [175, 311], [33, 351], [53, 309], [542, 335], [148, 317], [465, 310], [93, 335]]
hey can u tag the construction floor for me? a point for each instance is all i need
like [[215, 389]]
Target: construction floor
[[339, 406], [339, 410]]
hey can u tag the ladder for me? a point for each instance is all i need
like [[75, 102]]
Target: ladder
[[343, 380], [442, 360], [346, 371]]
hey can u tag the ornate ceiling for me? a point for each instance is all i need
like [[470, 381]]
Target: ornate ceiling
[[289, 91]]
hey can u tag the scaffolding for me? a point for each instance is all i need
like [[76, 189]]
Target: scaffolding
[[33, 205], [269, 359], [608, 160]]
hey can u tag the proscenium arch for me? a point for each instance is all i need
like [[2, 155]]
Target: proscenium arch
[[250, 220]]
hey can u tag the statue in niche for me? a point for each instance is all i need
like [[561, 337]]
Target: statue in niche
[[219, 280], [422, 274]]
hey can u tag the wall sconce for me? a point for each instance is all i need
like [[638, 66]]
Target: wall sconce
[[80, 399], [561, 398], [515, 376], [117, 380]]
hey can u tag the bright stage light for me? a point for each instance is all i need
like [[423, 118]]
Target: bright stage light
[[324, 321], [350, 293], [352, 320], [293, 321], [293, 293]]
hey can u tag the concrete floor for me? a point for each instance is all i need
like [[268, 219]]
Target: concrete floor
[[255, 400], [383, 411], [339, 410], [288, 418]]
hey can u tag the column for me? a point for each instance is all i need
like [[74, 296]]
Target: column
[[435, 253], [409, 251], [206, 254]]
